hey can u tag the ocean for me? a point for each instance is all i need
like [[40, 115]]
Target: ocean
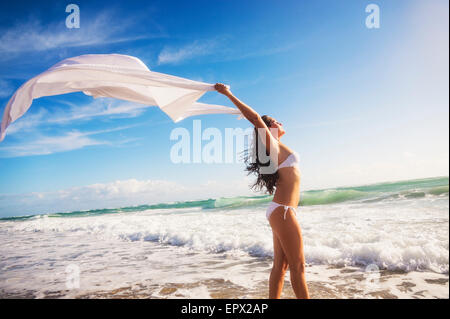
[[387, 240]]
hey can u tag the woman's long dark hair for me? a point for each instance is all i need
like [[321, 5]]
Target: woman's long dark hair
[[253, 164]]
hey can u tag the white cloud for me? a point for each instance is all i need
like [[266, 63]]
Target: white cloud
[[29, 122], [187, 52], [119, 193], [97, 108], [6, 88], [35, 123], [102, 29], [70, 141], [48, 145], [279, 48], [220, 49]]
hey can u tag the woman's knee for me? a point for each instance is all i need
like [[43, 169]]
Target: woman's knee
[[297, 267], [280, 267]]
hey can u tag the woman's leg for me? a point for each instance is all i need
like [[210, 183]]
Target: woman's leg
[[290, 237], [280, 265]]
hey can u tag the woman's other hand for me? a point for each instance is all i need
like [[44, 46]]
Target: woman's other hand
[[222, 88]]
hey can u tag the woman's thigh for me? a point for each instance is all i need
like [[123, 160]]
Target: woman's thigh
[[289, 235]]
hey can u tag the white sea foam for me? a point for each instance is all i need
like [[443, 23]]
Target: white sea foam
[[171, 245], [406, 236]]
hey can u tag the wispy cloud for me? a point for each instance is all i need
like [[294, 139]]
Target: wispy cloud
[[69, 141], [49, 145], [6, 88], [261, 51], [97, 108], [187, 52], [221, 49], [102, 29]]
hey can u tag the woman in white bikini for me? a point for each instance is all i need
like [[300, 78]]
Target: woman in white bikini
[[285, 181]]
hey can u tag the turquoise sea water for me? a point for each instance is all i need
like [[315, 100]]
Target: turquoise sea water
[[401, 228], [389, 191]]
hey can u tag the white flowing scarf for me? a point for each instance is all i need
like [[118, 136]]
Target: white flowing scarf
[[118, 76]]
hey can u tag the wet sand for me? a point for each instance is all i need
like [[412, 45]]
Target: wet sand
[[340, 283]]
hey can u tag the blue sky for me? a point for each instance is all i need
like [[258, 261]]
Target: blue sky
[[360, 105]]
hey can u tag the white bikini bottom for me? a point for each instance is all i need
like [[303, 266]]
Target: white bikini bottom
[[273, 205]]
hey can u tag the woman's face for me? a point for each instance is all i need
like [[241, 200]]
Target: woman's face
[[277, 125]]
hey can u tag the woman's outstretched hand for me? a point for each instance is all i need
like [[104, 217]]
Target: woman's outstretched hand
[[222, 88]]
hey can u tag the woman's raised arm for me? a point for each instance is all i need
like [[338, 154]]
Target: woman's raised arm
[[249, 113]]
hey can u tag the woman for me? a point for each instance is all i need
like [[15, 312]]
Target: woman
[[287, 237]]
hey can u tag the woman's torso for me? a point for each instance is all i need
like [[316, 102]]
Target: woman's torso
[[288, 185]]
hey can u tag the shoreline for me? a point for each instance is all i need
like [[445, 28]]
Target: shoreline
[[339, 283]]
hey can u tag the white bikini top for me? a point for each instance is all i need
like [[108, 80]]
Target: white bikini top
[[291, 161]]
